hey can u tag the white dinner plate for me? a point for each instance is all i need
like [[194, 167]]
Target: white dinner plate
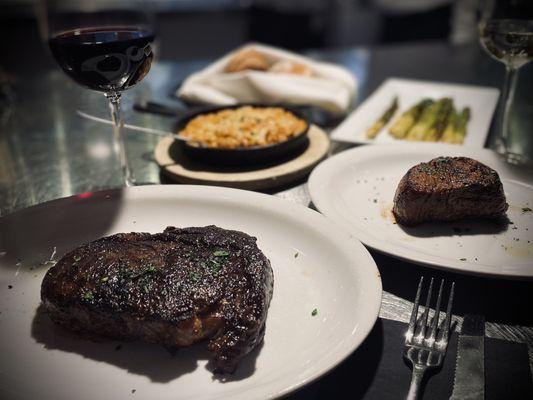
[[316, 266], [355, 189], [481, 100]]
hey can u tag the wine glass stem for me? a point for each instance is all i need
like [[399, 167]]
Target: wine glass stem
[[508, 90], [119, 143]]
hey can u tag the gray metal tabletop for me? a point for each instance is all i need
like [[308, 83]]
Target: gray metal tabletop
[[47, 152]]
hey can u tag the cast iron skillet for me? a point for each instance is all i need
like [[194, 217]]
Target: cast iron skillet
[[244, 155]]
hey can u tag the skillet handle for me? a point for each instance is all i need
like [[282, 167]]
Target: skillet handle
[[158, 108]]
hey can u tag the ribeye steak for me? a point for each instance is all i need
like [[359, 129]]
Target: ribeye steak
[[172, 288]]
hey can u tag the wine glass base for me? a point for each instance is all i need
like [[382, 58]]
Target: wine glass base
[[514, 158], [509, 156], [500, 147], [130, 183]]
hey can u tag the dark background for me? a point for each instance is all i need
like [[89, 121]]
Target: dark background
[[203, 29]]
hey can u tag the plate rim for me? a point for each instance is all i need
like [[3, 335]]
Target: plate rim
[[394, 250], [343, 239]]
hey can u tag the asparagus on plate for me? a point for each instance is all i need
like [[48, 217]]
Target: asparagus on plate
[[427, 120], [436, 131], [372, 132], [402, 125], [449, 132], [456, 130]]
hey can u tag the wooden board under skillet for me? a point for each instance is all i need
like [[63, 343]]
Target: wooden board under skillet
[[182, 169]]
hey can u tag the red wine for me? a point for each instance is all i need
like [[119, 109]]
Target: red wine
[[105, 59]]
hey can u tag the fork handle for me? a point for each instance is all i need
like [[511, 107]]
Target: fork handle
[[416, 381]]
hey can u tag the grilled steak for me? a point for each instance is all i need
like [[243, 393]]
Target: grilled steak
[[172, 288], [448, 189]]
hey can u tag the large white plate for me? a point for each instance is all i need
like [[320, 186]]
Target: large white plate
[[481, 100], [355, 189], [332, 273]]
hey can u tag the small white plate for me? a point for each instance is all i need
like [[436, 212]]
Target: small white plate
[[355, 189], [315, 264], [481, 100]]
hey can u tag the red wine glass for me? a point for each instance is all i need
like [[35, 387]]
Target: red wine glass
[[103, 48]]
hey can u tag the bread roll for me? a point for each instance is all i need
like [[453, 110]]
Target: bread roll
[[290, 67], [246, 60]]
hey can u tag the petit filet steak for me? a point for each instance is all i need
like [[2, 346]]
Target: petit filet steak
[[173, 288], [449, 189]]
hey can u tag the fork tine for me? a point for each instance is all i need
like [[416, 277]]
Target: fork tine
[[426, 310], [423, 352], [414, 313], [435, 320], [445, 326]]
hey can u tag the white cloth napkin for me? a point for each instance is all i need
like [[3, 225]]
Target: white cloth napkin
[[331, 87]]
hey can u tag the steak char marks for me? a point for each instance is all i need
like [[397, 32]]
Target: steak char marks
[[173, 288], [449, 189]]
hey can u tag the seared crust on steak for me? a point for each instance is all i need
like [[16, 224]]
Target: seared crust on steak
[[449, 189], [172, 288]]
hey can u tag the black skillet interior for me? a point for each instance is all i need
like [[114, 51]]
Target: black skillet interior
[[244, 156]]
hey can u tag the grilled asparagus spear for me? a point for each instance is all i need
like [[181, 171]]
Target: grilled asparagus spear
[[372, 132], [401, 126], [458, 133], [436, 131], [427, 120], [449, 132]]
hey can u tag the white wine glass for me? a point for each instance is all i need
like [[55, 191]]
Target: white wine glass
[[506, 33]]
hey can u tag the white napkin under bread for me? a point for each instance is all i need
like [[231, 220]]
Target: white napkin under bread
[[330, 87]]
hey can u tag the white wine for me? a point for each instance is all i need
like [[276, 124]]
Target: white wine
[[508, 40]]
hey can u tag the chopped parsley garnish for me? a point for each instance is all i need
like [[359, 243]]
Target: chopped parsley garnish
[[126, 274], [462, 259], [88, 295], [296, 255], [146, 288], [77, 258], [194, 277], [221, 253], [133, 275], [150, 269], [215, 266], [526, 209], [105, 278], [314, 312]]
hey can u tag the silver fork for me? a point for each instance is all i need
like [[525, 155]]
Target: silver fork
[[426, 344]]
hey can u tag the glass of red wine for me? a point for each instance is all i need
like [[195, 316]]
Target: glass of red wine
[[107, 48]]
